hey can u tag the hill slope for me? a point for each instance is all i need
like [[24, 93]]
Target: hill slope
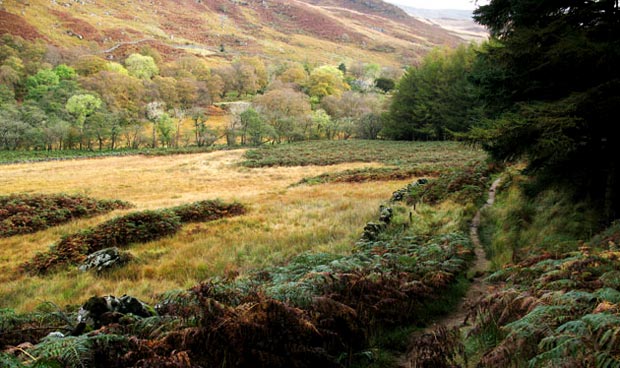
[[315, 31]]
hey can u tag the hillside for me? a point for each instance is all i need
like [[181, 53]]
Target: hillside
[[331, 31], [457, 22]]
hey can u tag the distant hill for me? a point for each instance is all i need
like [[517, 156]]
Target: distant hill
[[316, 31], [456, 14], [458, 22]]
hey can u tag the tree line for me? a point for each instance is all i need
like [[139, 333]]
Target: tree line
[[51, 99], [544, 88]]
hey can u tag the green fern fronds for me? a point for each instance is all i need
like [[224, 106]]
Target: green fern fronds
[[7, 361], [71, 351]]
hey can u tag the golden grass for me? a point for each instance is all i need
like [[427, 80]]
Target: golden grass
[[281, 221]]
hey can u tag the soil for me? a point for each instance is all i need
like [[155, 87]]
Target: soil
[[458, 318]]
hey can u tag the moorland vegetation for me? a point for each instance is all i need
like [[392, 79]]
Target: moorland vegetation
[[295, 281]]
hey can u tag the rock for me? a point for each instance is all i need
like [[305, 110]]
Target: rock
[[373, 229], [400, 194], [385, 214], [105, 259], [103, 310], [56, 334]]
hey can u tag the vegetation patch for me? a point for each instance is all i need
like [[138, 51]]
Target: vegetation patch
[[462, 185], [554, 311], [208, 210], [137, 227], [23, 213], [371, 174], [318, 309], [322, 153], [13, 157], [404, 159]]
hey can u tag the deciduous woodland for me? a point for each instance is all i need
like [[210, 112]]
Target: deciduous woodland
[[302, 184]]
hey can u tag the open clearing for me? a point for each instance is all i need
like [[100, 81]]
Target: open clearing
[[281, 221]]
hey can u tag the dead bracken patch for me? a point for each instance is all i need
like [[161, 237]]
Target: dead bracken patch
[[18, 26]]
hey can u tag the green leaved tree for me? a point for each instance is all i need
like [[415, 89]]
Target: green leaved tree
[[551, 86], [82, 106]]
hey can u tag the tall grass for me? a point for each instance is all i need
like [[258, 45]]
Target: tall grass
[[518, 225], [281, 221]]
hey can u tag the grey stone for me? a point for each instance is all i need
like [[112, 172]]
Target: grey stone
[[105, 259], [103, 310]]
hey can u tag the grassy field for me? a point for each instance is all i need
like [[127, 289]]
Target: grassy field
[[281, 222]]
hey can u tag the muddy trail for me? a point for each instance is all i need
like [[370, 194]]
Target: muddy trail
[[458, 318]]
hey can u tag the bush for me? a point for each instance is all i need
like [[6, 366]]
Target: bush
[[22, 214], [207, 211]]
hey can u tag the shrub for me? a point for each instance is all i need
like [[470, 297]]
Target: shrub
[[22, 213], [207, 211]]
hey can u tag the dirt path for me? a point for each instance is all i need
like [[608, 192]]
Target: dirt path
[[477, 288]]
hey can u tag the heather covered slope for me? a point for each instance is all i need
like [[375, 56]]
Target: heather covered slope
[[313, 31]]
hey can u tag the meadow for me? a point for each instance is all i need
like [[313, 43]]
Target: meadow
[[281, 221]]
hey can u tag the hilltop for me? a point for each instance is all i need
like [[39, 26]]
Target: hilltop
[[319, 32]]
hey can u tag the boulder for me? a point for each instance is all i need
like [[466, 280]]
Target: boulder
[[105, 259], [385, 214], [103, 310], [373, 229]]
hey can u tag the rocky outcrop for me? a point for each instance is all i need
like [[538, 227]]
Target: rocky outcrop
[[105, 259]]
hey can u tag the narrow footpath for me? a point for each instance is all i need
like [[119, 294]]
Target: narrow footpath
[[478, 287]]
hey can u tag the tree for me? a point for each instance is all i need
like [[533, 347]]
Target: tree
[[294, 73], [369, 126], [166, 88], [254, 129], [551, 86], [121, 93], [204, 136], [65, 72], [260, 70], [154, 112], [435, 99], [325, 81], [142, 67], [90, 64], [385, 84], [351, 113], [287, 111], [324, 124], [101, 125], [81, 107], [166, 129], [116, 68], [39, 84], [12, 128]]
